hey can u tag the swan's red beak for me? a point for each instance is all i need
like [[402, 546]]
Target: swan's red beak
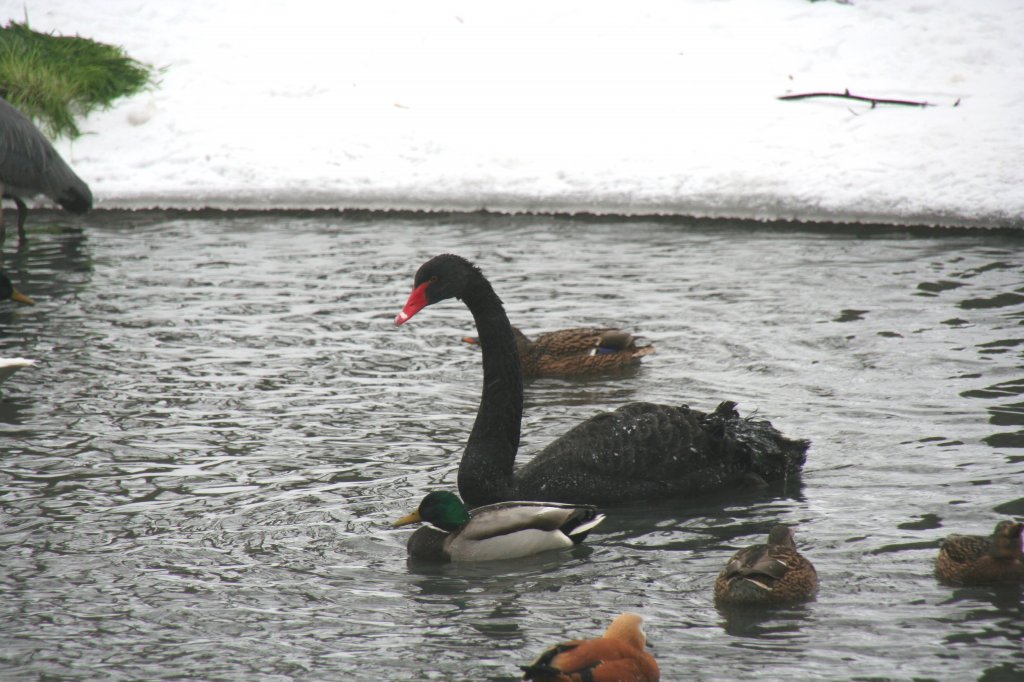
[[417, 302]]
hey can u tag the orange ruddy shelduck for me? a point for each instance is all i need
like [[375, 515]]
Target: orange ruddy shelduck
[[618, 656]]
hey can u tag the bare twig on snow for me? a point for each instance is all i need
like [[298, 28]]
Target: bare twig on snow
[[875, 101]]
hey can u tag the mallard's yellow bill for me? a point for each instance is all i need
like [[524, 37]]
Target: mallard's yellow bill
[[407, 519]]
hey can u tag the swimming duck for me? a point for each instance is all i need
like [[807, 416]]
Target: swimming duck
[[773, 573], [29, 165], [640, 452], [507, 530], [977, 559], [577, 352], [7, 290], [618, 656]]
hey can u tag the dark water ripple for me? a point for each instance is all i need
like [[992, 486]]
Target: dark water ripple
[[197, 479]]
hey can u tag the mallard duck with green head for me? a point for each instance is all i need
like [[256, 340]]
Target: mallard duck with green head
[[979, 559], [506, 530], [772, 573]]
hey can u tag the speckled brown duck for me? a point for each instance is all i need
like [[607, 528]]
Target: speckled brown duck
[[577, 352], [772, 573], [979, 559], [618, 656]]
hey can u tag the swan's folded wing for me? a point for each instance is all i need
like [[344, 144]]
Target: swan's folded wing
[[639, 440]]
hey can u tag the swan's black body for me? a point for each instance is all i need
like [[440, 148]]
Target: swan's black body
[[641, 451]]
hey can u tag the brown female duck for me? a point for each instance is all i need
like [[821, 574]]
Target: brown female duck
[[577, 352], [773, 573], [977, 559], [618, 656]]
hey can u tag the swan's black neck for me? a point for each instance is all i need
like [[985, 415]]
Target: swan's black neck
[[486, 473]]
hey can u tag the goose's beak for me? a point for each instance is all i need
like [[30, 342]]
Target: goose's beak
[[407, 519], [21, 298], [417, 302]]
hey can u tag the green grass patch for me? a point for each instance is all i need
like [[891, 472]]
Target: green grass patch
[[55, 79]]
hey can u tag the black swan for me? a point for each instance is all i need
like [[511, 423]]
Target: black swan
[[639, 452]]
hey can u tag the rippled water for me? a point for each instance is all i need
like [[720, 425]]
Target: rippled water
[[198, 478]]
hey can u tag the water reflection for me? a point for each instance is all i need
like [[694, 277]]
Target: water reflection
[[1007, 414], [13, 411], [777, 628], [988, 618]]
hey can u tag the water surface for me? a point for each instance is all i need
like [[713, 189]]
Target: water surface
[[198, 478]]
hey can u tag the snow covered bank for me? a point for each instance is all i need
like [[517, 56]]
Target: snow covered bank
[[657, 107]]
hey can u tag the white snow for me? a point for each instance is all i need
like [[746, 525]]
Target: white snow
[[665, 107]]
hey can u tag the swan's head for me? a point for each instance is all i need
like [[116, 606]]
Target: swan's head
[[441, 277]]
